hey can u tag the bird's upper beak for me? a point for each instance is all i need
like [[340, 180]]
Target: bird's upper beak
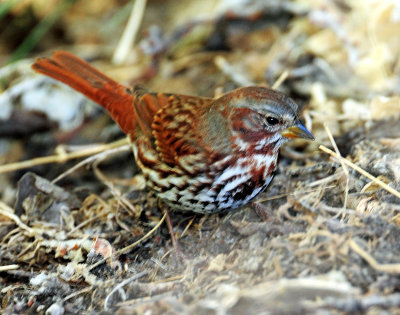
[[297, 131]]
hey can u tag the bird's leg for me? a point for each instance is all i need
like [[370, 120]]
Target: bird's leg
[[175, 243], [261, 210]]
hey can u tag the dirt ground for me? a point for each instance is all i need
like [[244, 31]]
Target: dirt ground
[[80, 234]]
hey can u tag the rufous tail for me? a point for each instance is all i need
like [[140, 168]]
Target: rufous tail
[[78, 74]]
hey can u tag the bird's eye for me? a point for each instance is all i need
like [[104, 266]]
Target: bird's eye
[[272, 120]]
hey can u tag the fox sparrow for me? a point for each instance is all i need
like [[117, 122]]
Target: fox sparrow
[[198, 154]]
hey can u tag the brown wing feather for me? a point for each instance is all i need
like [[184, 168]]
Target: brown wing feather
[[146, 105], [174, 125]]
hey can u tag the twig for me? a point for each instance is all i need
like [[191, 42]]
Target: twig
[[326, 180], [129, 35], [90, 159], [388, 268], [114, 190], [123, 250], [61, 158], [345, 169], [280, 80], [82, 224], [8, 212], [187, 227], [323, 207], [8, 267], [361, 171], [120, 285], [72, 295], [159, 264]]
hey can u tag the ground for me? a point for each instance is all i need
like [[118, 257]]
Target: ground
[[79, 233]]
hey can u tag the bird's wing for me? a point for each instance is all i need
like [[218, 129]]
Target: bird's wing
[[176, 132]]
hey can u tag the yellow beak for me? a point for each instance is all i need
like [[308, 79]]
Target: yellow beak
[[297, 131]]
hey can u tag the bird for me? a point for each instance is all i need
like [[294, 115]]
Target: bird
[[198, 154]]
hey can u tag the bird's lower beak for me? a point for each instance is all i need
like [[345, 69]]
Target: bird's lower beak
[[297, 131]]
